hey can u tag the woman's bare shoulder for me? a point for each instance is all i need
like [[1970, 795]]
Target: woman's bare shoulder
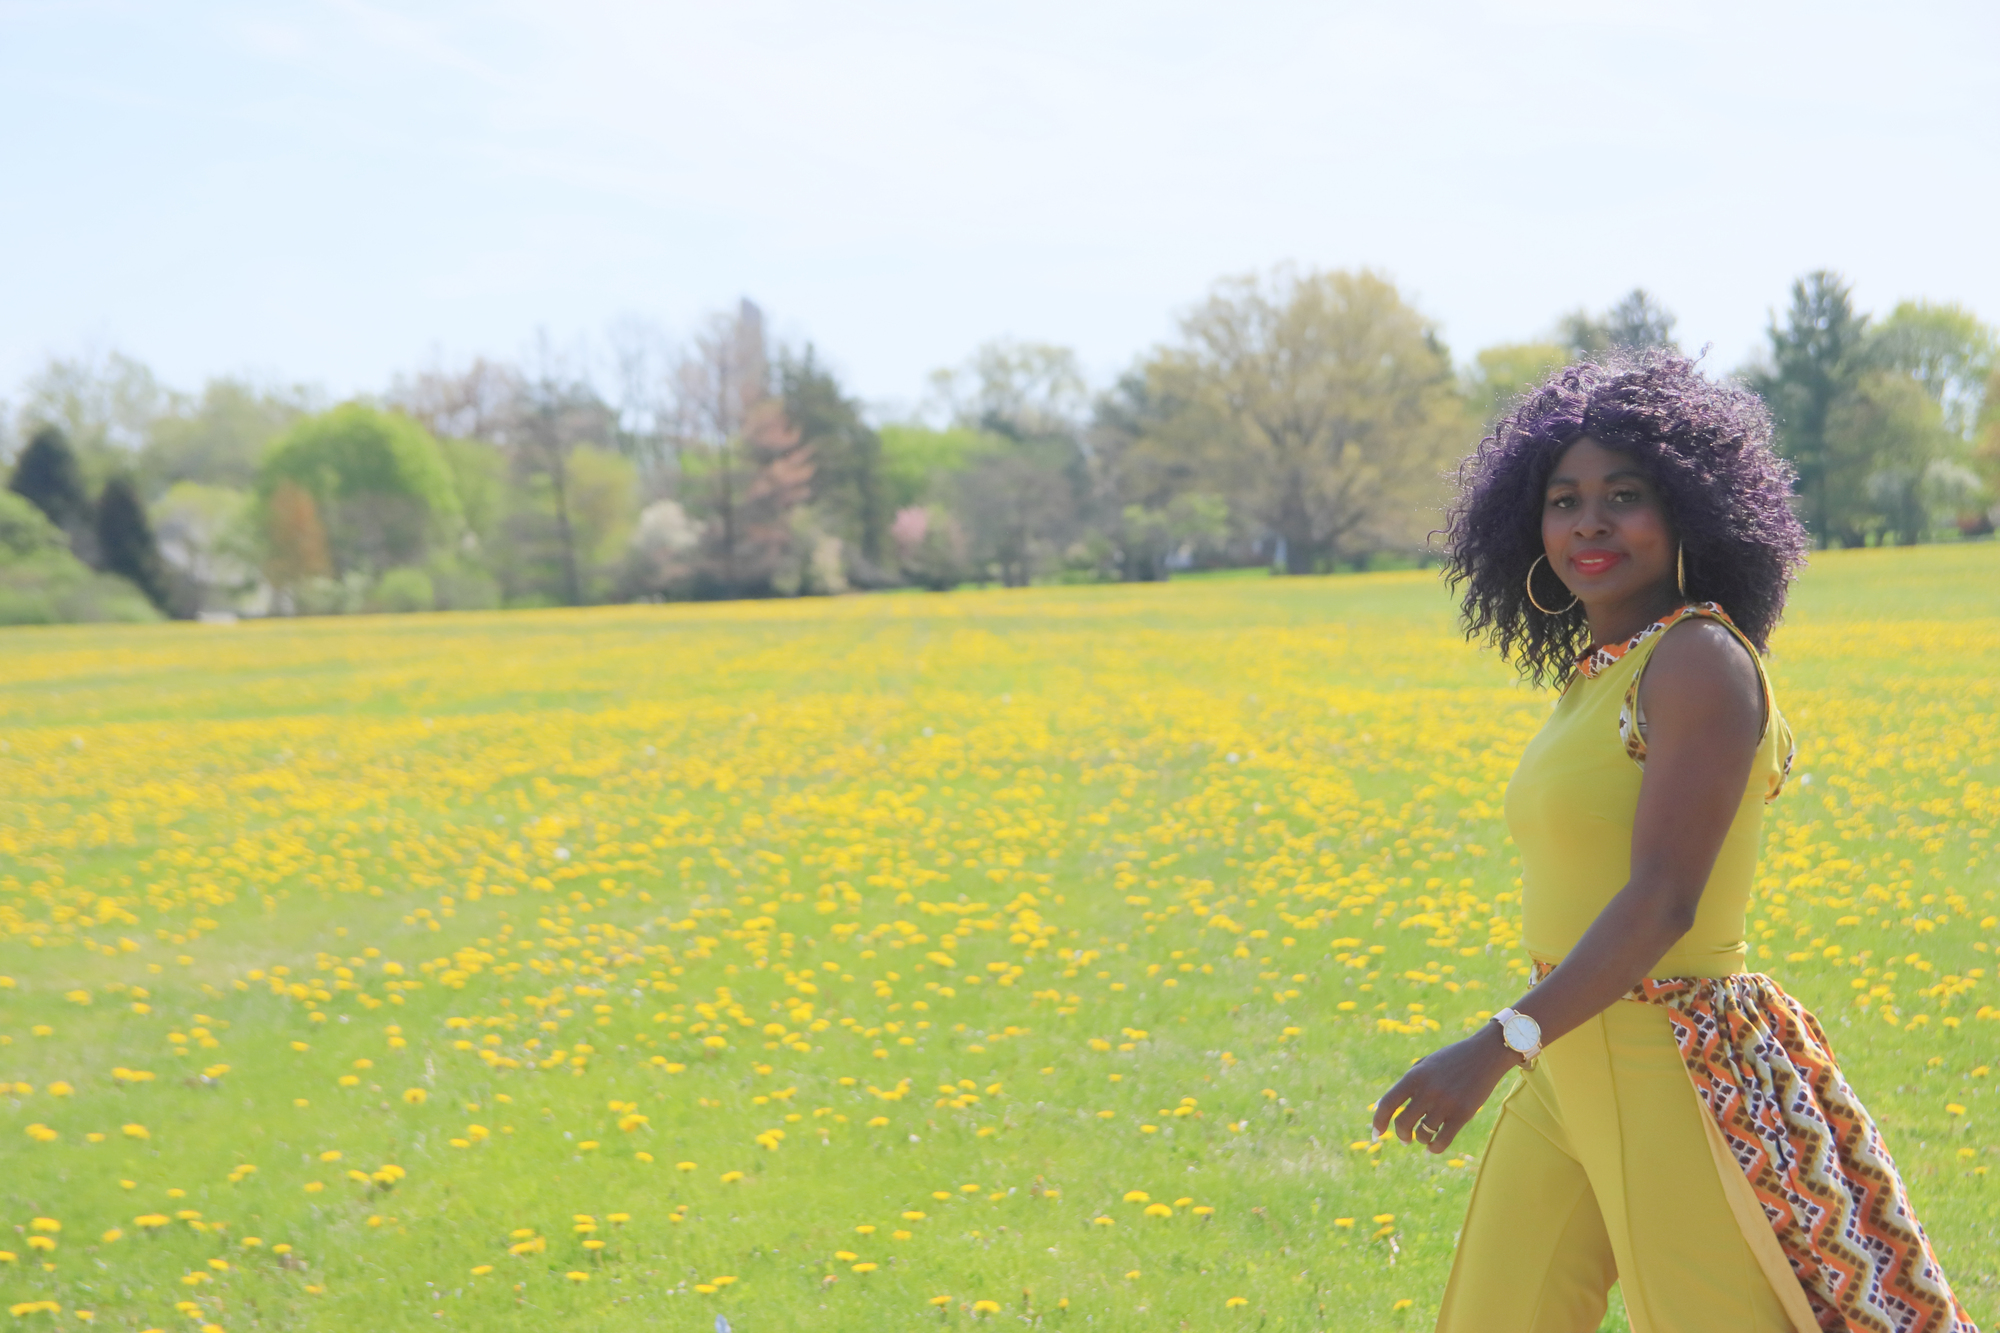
[[1701, 669]]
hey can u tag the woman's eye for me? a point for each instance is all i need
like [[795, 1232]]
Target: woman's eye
[[1626, 497]]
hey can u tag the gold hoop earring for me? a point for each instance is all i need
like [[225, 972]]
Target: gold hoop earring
[[1681, 569], [1531, 592]]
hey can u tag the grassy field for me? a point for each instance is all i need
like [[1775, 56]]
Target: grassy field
[[877, 962]]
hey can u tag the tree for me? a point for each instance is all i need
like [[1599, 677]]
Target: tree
[[1638, 321], [1023, 390], [220, 439], [560, 413], [1018, 510], [1151, 457], [1888, 461], [918, 459], [753, 482], [25, 531], [603, 507], [206, 539], [125, 541], [642, 360], [930, 546], [1816, 357], [745, 466], [1944, 348], [378, 482], [294, 539], [481, 402], [1337, 404], [1152, 537], [48, 476], [848, 490], [1501, 374], [1985, 458], [104, 406]]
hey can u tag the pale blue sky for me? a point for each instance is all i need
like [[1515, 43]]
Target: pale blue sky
[[334, 191]]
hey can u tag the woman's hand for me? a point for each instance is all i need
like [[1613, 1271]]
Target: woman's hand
[[1445, 1089]]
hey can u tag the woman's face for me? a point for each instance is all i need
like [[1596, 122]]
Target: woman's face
[[1604, 528]]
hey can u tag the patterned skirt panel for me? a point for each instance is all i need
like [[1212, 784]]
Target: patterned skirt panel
[[1763, 1068]]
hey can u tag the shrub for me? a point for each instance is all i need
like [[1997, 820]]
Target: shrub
[[405, 590]]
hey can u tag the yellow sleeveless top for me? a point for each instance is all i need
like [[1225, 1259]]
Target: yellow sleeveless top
[[1572, 801]]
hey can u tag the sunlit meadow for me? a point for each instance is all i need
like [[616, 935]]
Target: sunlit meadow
[[874, 963]]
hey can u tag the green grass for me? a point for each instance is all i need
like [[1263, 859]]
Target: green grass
[[513, 806]]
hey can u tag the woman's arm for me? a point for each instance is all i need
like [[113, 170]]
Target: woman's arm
[[1704, 708]]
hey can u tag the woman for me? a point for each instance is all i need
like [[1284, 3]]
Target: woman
[[1680, 1126]]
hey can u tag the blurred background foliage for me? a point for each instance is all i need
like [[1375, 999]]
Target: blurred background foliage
[[1300, 421]]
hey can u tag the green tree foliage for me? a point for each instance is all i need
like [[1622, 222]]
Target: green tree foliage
[[219, 439], [1150, 537], [1337, 405], [1946, 349], [558, 415], [1985, 457], [1023, 502], [104, 406], [1499, 375], [849, 491], [915, 458], [1878, 418], [930, 546], [1636, 322], [1885, 441], [1816, 357], [479, 479], [1018, 509], [378, 480], [125, 541], [1020, 390], [48, 476], [402, 591], [42, 583], [1153, 450], [208, 538], [25, 531]]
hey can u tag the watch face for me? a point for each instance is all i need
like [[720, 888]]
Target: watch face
[[1522, 1032]]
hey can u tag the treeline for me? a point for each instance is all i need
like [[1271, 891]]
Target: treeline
[[1304, 421]]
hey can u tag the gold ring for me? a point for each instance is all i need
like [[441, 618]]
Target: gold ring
[[1435, 1130]]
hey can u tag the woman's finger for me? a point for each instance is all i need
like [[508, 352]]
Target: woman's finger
[[1391, 1100], [1413, 1114], [1442, 1141]]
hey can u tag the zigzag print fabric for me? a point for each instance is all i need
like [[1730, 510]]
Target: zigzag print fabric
[[1763, 1068]]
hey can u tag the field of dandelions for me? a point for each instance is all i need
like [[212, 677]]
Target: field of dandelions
[[882, 962]]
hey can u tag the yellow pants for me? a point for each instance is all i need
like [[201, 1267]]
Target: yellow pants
[[1604, 1168]]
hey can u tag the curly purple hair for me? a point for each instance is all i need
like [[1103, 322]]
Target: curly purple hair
[[1707, 448]]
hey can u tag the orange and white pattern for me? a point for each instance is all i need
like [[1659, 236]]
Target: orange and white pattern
[[1763, 1068]]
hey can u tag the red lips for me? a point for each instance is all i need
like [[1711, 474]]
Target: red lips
[[1592, 563]]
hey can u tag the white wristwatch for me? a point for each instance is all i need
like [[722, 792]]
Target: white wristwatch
[[1522, 1034]]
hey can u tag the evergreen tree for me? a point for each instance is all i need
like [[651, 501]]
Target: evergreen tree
[[847, 454], [1816, 358], [47, 475], [125, 541], [1636, 323]]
